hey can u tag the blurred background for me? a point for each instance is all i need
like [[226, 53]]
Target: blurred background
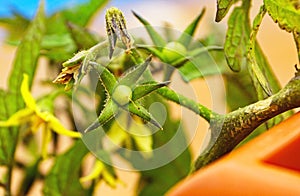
[[277, 45]]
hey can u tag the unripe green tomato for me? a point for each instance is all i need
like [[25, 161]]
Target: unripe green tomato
[[173, 51], [122, 94]]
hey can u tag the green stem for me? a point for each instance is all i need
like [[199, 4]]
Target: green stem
[[297, 42], [230, 130], [171, 95], [135, 56], [8, 180], [190, 104]]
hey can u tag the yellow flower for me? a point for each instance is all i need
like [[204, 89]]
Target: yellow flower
[[100, 169], [37, 117]]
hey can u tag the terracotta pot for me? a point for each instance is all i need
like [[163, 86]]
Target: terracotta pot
[[267, 165]]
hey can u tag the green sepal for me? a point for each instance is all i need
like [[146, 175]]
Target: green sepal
[[107, 79], [194, 53], [198, 51], [130, 79], [89, 60], [146, 88], [153, 50], [186, 36], [139, 110], [155, 37], [109, 111], [76, 59], [112, 38]]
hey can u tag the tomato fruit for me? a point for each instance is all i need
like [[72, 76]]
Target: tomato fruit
[[122, 94]]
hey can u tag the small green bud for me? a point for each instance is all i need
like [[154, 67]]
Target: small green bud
[[122, 94], [173, 51], [116, 29]]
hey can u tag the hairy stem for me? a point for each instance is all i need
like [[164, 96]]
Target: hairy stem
[[190, 104], [233, 127], [171, 95]]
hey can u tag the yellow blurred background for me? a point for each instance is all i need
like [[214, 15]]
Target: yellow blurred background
[[277, 45]]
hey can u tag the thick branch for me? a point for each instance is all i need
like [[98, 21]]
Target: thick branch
[[237, 125]]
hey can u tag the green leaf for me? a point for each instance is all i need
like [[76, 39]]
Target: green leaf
[[56, 41], [82, 37], [57, 29], [155, 36], [223, 7], [297, 42], [24, 62], [58, 48], [286, 13], [17, 21], [79, 15], [82, 13], [186, 36], [26, 57], [4, 131], [266, 69], [130, 79], [258, 77], [237, 37], [146, 88], [8, 135], [63, 178]]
